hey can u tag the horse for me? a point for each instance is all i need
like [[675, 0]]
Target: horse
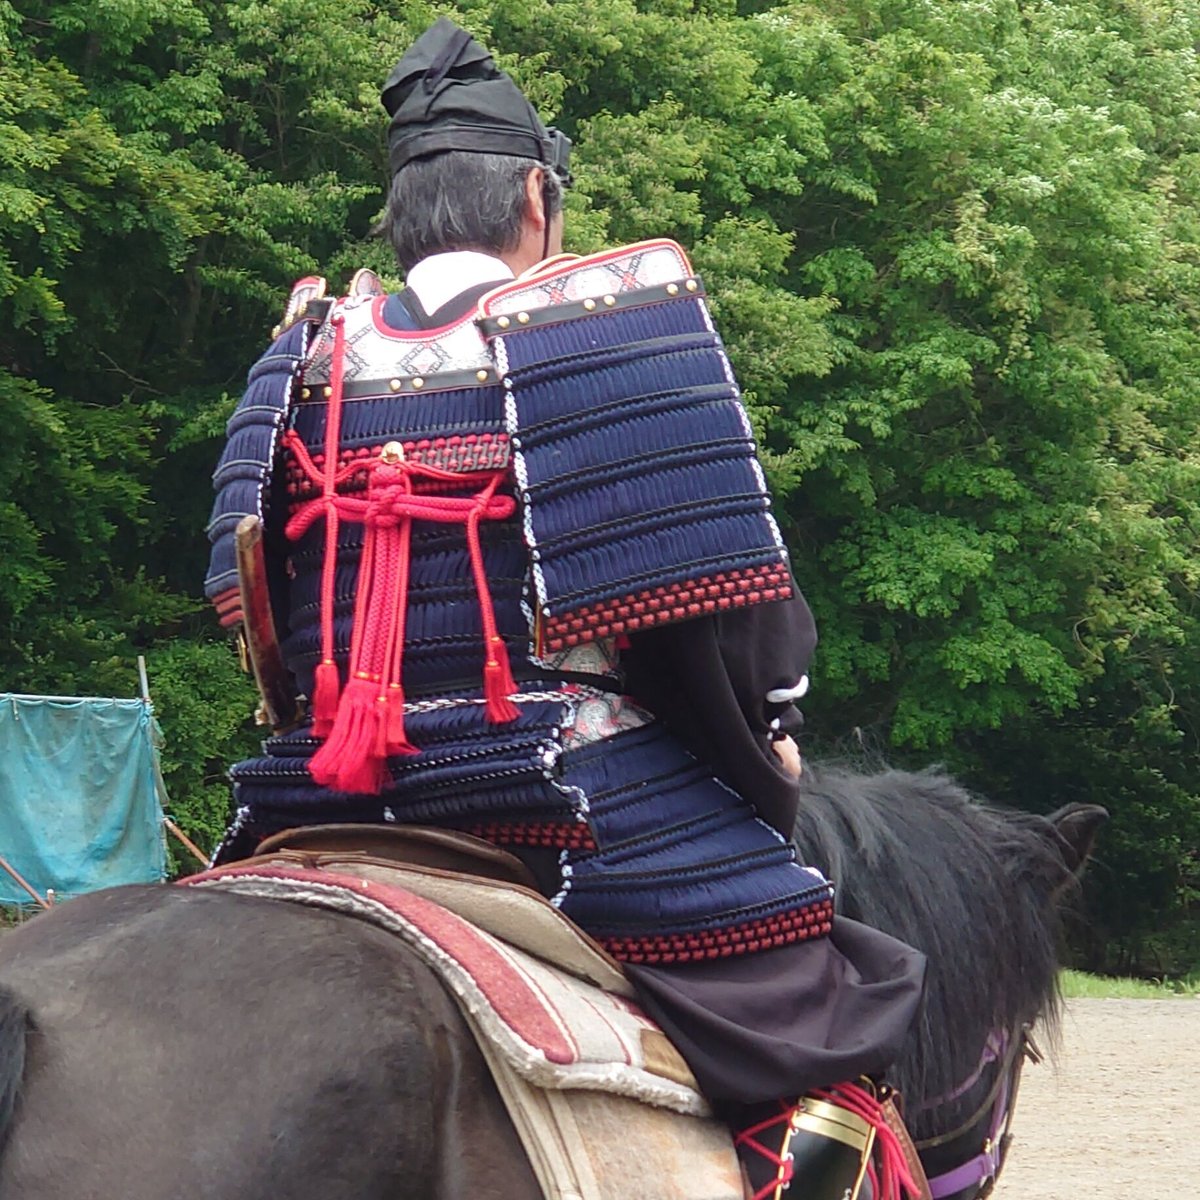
[[157, 1041], [981, 892]]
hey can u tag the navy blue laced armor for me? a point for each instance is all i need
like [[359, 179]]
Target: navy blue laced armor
[[535, 592]]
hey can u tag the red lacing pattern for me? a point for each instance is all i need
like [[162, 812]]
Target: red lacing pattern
[[554, 835], [671, 602], [779, 1159], [766, 933], [364, 725], [229, 606], [458, 453], [887, 1169]]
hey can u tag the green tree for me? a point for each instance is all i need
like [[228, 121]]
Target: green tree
[[954, 251]]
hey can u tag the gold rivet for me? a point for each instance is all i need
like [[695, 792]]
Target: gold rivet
[[305, 393], [395, 384], [418, 382], [523, 318], [482, 376], [589, 304], [328, 391], [610, 300], [691, 285], [393, 452], [672, 289], [503, 322]]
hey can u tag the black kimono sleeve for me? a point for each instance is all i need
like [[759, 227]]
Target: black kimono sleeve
[[708, 680]]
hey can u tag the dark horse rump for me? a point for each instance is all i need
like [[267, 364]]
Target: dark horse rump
[[14, 1026], [168, 1042], [222, 1047]]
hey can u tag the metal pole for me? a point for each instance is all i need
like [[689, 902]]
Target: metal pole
[[187, 841], [16, 876], [143, 679]]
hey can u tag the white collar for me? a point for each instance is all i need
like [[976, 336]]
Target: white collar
[[441, 277]]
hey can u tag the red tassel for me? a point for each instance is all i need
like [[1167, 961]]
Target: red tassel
[[396, 738], [498, 684], [349, 760], [325, 699]]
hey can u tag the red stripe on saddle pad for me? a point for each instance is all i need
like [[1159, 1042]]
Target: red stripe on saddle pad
[[522, 1007]]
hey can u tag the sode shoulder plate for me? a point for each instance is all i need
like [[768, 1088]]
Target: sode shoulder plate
[[642, 496]]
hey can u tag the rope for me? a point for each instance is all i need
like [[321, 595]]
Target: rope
[[367, 722]]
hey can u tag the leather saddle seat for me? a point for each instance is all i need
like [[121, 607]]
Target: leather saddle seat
[[587, 1078], [409, 845]]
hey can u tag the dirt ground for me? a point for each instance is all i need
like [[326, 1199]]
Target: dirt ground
[[1116, 1118]]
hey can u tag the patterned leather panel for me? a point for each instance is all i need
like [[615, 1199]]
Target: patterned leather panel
[[650, 264], [374, 351]]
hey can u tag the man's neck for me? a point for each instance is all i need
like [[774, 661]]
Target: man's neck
[[440, 277]]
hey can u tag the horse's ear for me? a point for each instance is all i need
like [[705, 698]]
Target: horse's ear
[[1078, 826]]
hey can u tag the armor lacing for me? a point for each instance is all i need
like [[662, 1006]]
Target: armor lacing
[[364, 725]]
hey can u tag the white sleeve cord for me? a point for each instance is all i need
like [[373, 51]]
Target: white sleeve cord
[[788, 695]]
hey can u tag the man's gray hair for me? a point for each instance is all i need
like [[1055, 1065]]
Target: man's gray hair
[[460, 200]]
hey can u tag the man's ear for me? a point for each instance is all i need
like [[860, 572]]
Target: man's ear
[[535, 211]]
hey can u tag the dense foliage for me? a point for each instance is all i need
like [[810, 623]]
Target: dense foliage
[[955, 249]]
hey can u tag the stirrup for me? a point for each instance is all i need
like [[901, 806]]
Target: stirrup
[[833, 1144]]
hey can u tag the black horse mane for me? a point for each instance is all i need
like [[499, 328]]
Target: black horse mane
[[973, 887]]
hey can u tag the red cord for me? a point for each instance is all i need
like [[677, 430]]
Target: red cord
[[361, 736], [893, 1173], [888, 1179], [784, 1167]]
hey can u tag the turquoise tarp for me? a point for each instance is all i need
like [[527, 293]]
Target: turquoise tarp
[[79, 794]]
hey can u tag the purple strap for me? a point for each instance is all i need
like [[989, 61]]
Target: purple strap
[[973, 1171], [986, 1164], [994, 1050]]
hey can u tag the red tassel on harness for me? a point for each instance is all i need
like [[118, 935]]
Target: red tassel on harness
[[350, 761], [395, 740], [325, 699], [498, 683]]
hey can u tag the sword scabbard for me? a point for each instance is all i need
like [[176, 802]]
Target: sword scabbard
[[280, 708]]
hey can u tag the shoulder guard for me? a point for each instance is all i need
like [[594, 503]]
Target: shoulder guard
[[643, 499], [242, 479]]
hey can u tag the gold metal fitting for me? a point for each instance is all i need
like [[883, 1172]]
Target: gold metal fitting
[[691, 285], [395, 384], [503, 322], [481, 375], [327, 391], [589, 304], [672, 289], [305, 393], [610, 300], [418, 382], [392, 452], [523, 317]]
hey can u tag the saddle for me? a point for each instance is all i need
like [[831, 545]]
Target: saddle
[[590, 1083]]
